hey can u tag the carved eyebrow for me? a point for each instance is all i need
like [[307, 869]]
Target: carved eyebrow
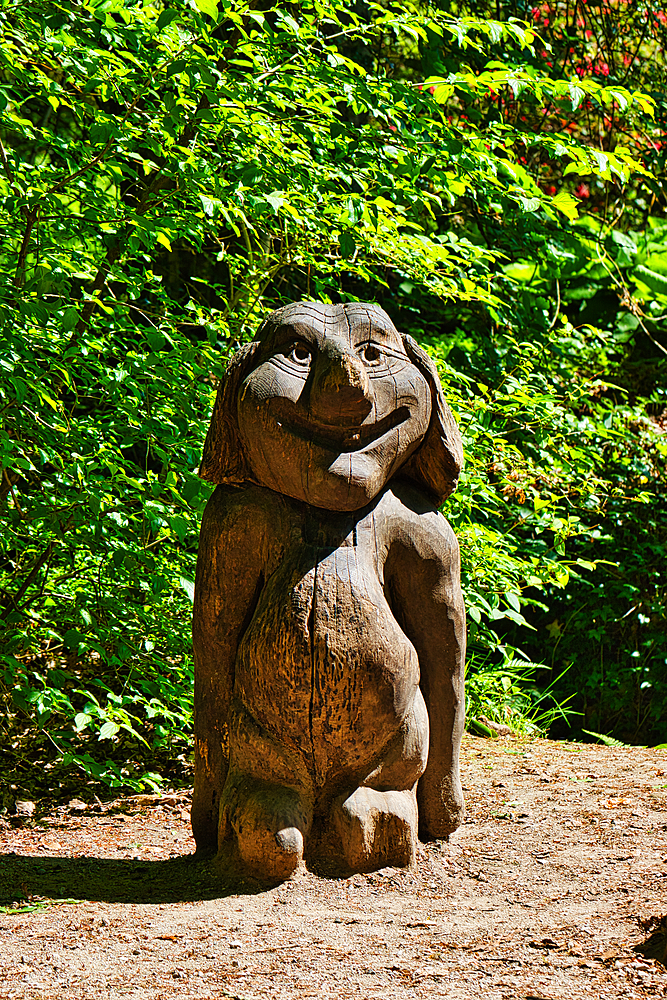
[[298, 331], [364, 332], [393, 352], [383, 338], [286, 334]]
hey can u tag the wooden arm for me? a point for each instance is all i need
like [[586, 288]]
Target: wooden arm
[[232, 551], [422, 577]]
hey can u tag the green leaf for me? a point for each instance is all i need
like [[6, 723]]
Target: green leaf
[[81, 720], [608, 741], [275, 200], [566, 204], [19, 388], [209, 7], [164, 240], [656, 282], [646, 103], [167, 16], [180, 526], [73, 638], [521, 271], [100, 133], [177, 66], [517, 617], [513, 600], [442, 93], [576, 95], [347, 244], [108, 730], [155, 340], [70, 319], [478, 727], [191, 490], [531, 204], [627, 322]]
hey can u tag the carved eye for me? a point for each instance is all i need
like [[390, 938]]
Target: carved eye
[[370, 354], [299, 353]]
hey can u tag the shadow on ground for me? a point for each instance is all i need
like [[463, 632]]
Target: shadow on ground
[[179, 880], [654, 946]]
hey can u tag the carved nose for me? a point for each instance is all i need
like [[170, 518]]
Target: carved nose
[[341, 390]]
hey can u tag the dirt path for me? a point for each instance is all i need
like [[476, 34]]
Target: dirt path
[[538, 895]]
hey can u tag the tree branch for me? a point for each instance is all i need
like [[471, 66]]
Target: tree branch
[[19, 275], [45, 556]]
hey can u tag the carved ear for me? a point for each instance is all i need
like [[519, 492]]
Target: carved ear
[[223, 460], [437, 463]]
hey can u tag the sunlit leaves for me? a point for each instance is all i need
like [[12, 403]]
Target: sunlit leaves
[[566, 204], [172, 171]]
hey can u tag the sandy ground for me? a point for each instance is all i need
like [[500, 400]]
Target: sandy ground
[[541, 894]]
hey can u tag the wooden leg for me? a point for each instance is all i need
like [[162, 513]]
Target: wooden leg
[[269, 824], [210, 774], [377, 829]]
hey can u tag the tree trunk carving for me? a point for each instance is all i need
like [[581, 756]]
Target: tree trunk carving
[[329, 628]]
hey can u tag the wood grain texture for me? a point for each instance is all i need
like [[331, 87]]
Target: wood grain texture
[[329, 629]]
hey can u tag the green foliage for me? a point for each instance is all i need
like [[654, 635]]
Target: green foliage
[[509, 693], [169, 173], [608, 741], [608, 623]]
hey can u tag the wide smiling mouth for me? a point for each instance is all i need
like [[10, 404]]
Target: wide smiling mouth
[[342, 439]]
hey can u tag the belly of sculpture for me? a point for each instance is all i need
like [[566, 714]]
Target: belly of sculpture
[[335, 685]]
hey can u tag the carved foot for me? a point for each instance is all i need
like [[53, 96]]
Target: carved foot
[[271, 856], [269, 824], [377, 829]]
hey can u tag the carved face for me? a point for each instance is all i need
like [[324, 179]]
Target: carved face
[[333, 406]]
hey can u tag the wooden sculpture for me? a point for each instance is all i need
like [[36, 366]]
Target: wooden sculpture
[[329, 628]]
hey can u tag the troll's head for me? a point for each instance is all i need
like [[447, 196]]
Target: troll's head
[[327, 405]]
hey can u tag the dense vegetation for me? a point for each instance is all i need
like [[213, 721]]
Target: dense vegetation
[[171, 171]]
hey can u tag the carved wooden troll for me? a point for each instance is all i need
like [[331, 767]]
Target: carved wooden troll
[[329, 627]]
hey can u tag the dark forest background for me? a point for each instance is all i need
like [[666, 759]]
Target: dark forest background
[[490, 173]]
